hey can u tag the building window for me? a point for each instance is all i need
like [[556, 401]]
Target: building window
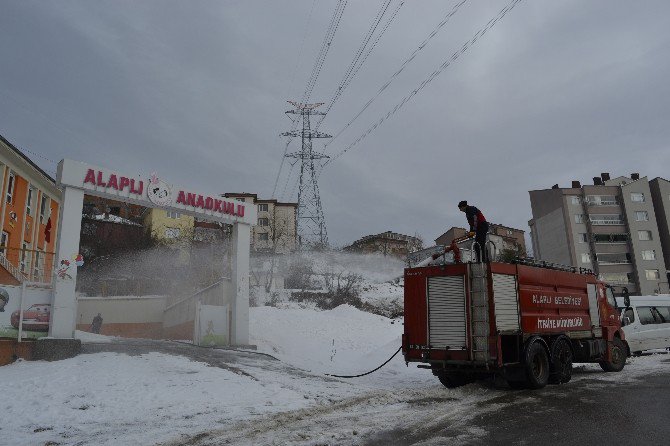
[[582, 238], [579, 218], [36, 267], [172, 232], [240, 199], [606, 219], [602, 200], [263, 222], [637, 197], [263, 236], [652, 274], [29, 201], [649, 254], [263, 207], [4, 241], [644, 235], [586, 258], [610, 238], [613, 258], [509, 232], [617, 278], [173, 214], [44, 207], [641, 216], [25, 258], [575, 199], [10, 187]]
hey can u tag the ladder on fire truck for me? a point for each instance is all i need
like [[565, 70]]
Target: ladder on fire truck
[[479, 316]]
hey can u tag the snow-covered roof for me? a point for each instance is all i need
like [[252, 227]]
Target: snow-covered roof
[[113, 219]]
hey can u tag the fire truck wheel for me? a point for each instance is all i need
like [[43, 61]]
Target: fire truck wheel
[[537, 366], [453, 380], [618, 357], [560, 367]]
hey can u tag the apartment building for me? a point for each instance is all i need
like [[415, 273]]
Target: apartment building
[[28, 218], [386, 243], [167, 226], [609, 227], [276, 228]]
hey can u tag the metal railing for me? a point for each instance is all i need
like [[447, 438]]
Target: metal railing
[[27, 265]]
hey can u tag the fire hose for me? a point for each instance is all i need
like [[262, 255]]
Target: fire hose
[[367, 373]]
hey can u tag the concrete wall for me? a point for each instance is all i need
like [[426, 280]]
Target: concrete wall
[[127, 316], [551, 231], [647, 286], [660, 194], [179, 314]]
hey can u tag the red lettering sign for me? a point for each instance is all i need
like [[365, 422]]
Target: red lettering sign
[[90, 177], [112, 182], [181, 198]]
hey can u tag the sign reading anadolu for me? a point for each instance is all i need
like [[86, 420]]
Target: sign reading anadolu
[[152, 191]]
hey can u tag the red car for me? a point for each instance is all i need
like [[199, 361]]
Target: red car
[[35, 318]]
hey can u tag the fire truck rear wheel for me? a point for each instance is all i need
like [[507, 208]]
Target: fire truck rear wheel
[[453, 380], [560, 368], [537, 366], [618, 357]]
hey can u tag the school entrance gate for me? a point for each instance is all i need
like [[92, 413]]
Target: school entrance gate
[[77, 178]]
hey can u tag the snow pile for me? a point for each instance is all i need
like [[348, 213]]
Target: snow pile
[[92, 338], [343, 341]]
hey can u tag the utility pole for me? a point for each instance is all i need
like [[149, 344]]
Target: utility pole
[[311, 223]]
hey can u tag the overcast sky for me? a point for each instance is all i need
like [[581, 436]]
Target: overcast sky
[[196, 91]]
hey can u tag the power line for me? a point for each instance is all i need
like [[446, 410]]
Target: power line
[[361, 55], [404, 65], [325, 47], [316, 70], [302, 45], [288, 178], [491, 23]]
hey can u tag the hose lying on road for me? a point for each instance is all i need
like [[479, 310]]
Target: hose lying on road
[[367, 373]]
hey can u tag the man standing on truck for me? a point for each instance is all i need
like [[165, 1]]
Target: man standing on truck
[[479, 227]]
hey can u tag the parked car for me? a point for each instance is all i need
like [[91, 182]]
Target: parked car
[[646, 323], [35, 318]]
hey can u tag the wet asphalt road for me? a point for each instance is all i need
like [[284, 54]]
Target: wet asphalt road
[[589, 412]]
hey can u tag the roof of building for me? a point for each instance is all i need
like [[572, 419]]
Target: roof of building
[[498, 225], [387, 235], [113, 219], [28, 160], [258, 200]]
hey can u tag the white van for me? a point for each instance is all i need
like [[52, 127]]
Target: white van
[[646, 323]]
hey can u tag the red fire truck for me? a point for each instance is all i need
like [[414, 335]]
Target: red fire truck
[[525, 321]]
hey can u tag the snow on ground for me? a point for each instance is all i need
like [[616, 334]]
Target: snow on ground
[[112, 398], [342, 341], [86, 336]]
